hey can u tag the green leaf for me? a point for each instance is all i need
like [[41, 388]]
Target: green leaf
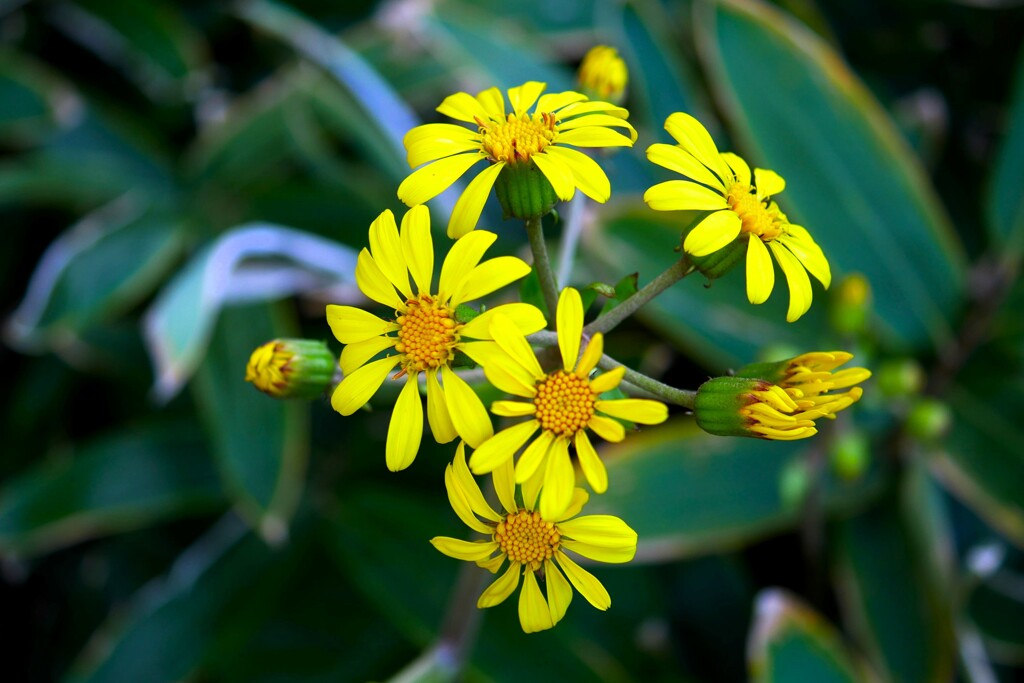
[[997, 610], [234, 268], [128, 480], [688, 493], [851, 179], [791, 643], [1004, 204], [36, 101], [261, 443], [100, 267]]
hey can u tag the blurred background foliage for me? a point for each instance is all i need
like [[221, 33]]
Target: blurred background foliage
[[181, 181]]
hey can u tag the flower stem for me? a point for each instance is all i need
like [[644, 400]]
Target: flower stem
[[673, 274], [542, 264]]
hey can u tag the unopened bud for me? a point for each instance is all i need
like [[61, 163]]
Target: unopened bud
[[851, 304], [291, 368], [603, 75]]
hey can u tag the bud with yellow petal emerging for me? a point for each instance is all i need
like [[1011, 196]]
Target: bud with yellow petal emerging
[[741, 406], [603, 75], [291, 368]]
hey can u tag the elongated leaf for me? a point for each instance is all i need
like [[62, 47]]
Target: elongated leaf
[[125, 481], [791, 643], [179, 324], [687, 493], [1005, 201], [104, 264], [36, 101], [851, 180], [261, 443]]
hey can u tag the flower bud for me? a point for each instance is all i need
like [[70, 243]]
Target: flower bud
[[811, 378], [851, 456], [603, 75], [741, 406], [851, 304], [524, 192], [291, 368], [929, 419], [900, 377]]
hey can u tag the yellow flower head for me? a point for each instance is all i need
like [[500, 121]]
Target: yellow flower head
[[291, 368], [425, 332], [562, 404], [741, 206], [266, 368], [512, 137], [603, 74], [533, 544]]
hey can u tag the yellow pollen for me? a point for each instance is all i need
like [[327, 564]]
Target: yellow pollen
[[759, 217], [427, 334], [565, 403], [527, 539], [518, 137]]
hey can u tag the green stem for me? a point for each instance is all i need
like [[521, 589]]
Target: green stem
[[673, 274], [542, 264]]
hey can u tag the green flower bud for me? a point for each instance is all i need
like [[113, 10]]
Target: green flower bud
[[929, 419], [524, 192], [741, 406], [794, 483], [900, 377], [851, 456], [851, 304], [291, 368]]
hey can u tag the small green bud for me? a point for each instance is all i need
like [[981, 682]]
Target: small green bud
[[901, 377], [719, 401], [794, 483], [851, 456], [291, 368], [929, 419], [851, 304], [524, 191], [464, 313]]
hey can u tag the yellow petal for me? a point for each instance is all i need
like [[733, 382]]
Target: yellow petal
[[526, 317], [374, 284], [418, 247], [438, 141], [406, 428], [579, 499], [355, 355], [534, 614], [711, 234], [501, 447], [768, 183], [471, 551], [695, 139], [440, 131], [588, 586], [437, 411], [431, 180], [356, 389], [594, 552], [508, 337], [760, 271], [386, 247], [559, 481], [682, 162], [594, 137], [503, 587], [592, 107], [351, 325], [810, 255], [462, 259], [467, 209], [501, 370], [457, 499], [587, 175], [469, 488], [505, 486], [559, 591], [591, 355], [607, 428], [590, 463], [552, 102], [558, 174], [533, 456], [493, 103], [594, 119], [603, 531], [462, 107], [799, 284], [493, 564], [683, 195], [738, 166], [569, 321], [466, 409], [489, 276], [523, 97], [607, 381], [640, 410], [531, 489]]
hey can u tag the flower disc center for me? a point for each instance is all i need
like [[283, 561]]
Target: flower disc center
[[526, 538], [518, 137], [427, 334], [758, 217], [564, 402]]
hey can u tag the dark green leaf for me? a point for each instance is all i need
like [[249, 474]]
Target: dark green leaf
[[1005, 201], [36, 101]]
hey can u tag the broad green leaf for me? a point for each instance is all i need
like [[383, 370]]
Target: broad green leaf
[[688, 493], [128, 480], [262, 444], [36, 101], [791, 643], [179, 323], [851, 180], [100, 267], [1004, 205]]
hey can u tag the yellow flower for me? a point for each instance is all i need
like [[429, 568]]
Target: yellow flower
[[533, 544], [603, 74], [740, 206], [512, 140], [425, 332], [291, 368], [561, 404]]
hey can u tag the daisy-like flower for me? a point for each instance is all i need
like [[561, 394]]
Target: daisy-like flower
[[515, 144], [741, 205], [533, 544], [425, 332], [562, 405]]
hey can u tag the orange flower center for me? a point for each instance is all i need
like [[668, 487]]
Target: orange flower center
[[759, 217], [527, 539], [427, 334], [518, 137], [565, 403]]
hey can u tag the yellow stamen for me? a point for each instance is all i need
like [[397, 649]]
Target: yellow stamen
[[760, 218], [518, 137], [565, 403], [527, 539], [427, 334]]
